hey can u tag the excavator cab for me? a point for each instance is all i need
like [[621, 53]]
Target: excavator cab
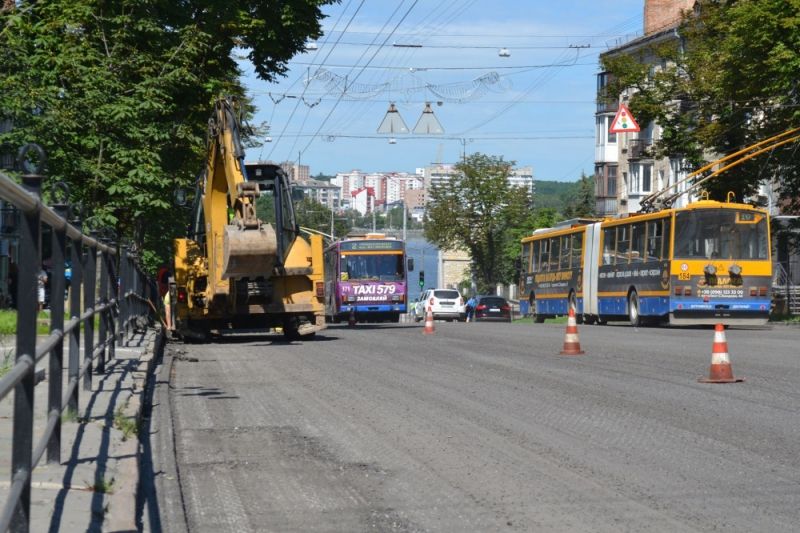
[[274, 204]]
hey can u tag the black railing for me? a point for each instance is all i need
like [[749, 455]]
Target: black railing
[[126, 297]]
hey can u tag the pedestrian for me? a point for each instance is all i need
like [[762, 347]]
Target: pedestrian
[[168, 311], [471, 303], [41, 285]]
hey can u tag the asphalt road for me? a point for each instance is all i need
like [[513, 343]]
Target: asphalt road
[[484, 427]]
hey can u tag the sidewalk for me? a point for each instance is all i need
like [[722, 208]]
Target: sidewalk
[[94, 486]]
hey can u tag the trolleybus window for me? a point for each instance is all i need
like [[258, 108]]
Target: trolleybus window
[[637, 244], [535, 257], [566, 248], [623, 244], [553, 254], [577, 246], [655, 239], [609, 244], [723, 234], [544, 258]]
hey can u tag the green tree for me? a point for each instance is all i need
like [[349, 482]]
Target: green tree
[[314, 215], [479, 211], [119, 93], [729, 82], [579, 201]]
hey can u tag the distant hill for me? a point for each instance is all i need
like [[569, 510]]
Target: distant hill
[[553, 193]]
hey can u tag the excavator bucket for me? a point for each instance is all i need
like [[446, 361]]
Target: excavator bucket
[[249, 252]]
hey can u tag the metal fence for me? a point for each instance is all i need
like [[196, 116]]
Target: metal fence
[[123, 297]]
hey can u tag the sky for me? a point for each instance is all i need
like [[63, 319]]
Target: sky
[[535, 107]]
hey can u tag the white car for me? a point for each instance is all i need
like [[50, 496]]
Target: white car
[[446, 304]]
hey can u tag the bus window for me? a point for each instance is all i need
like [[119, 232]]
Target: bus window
[[544, 258], [637, 242], [665, 242], [554, 254], [654, 240], [526, 257], [609, 244], [577, 247], [623, 244], [566, 249], [534, 264]]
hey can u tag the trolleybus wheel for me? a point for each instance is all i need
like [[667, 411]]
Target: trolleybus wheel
[[633, 309]]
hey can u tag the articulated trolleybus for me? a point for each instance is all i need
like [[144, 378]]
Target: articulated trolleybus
[[705, 263], [366, 279]]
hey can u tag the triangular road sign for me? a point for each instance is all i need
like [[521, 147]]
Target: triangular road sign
[[623, 121]]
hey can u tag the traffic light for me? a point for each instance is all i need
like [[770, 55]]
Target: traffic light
[[421, 278]]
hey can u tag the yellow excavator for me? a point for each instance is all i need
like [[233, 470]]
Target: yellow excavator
[[235, 270]]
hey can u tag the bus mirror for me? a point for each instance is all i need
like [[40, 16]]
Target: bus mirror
[[410, 267]]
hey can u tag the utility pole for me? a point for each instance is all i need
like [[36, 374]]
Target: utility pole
[[405, 216], [373, 214]]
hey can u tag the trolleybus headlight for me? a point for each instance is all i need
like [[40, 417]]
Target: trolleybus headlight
[[735, 270], [710, 269]]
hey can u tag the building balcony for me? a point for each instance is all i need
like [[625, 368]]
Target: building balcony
[[640, 149], [605, 207]]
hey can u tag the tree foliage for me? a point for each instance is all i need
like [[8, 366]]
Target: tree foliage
[[731, 81], [119, 93], [579, 202], [477, 210]]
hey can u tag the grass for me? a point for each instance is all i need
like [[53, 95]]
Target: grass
[[102, 486], [529, 320], [8, 322], [6, 362], [125, 424], [786, 319]]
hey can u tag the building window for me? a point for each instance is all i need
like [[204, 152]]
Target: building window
[[612, 137], [612, 180], [636, 175], [647, 178]]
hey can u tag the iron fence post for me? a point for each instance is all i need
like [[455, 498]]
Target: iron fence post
[[89, 273], [122, 322], [102, 332], [113, 294], [75, 289], [55, 370], [27, 315]]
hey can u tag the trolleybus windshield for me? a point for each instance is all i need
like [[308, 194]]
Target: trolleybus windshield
[[721, 234]]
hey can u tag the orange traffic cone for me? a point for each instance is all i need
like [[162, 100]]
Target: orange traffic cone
[[572, 345], [428, 322], [351, 320], [721, 371]]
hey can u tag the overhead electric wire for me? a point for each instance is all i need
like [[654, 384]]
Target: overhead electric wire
[[289, 120], [435, 19], [359, 73]]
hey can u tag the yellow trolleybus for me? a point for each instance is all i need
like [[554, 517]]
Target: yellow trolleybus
[[705, 263]]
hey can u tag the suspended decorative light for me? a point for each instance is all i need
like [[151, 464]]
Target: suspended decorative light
[[428, 123], [392, 122], [392, 140], [504, 52], [311, 47]]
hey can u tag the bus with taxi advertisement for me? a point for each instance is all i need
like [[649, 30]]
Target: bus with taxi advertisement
[[705, 263], [366, 279]]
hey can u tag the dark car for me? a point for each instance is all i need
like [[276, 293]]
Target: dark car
[[493, 308]]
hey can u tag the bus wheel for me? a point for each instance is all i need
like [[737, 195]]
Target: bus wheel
[[589, 319], [633, 309]]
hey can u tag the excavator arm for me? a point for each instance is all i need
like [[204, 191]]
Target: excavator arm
[[238, 244]]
